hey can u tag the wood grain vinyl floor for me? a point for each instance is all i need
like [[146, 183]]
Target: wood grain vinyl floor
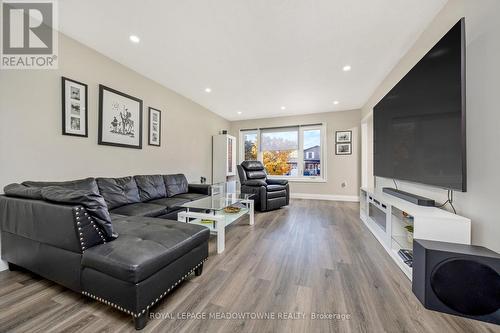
[[309, 267]]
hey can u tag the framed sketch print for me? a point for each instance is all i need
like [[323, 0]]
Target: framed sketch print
[[343, 149], [343, 136], [74, 108], [154, 127], [120, 119]]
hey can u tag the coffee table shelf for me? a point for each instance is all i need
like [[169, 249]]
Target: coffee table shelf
[[229, 219], [212, 208]]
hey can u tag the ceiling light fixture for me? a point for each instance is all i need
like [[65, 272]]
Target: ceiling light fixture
[[134, 39], [346, 68], [208, 90], [283, 108], [239, 112], [335, 102]]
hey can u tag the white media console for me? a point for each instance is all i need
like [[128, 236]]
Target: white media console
[[387, 216]]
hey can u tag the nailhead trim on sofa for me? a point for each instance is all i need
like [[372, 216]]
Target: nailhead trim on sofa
[[100, 299], [79, 217]]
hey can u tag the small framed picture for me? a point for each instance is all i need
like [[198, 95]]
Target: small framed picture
[[74, 108], [343, 149], [343, 136], [120, 119], [154, 127]]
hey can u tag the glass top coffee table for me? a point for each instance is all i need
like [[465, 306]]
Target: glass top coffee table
[[218, 211]]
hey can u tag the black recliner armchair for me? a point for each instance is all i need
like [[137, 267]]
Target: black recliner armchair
[[269, 193]]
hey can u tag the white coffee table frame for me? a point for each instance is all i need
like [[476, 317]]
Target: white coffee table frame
[[220, 218]]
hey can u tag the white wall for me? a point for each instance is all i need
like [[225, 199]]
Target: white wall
[[340, 168], [483, 117], [31, 144]]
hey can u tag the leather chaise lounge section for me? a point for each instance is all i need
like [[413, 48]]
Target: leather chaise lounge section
[[64, 241]]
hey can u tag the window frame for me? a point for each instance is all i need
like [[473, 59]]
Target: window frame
[[300, 154]]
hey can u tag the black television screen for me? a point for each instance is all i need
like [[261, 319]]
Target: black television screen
[[419, 126]]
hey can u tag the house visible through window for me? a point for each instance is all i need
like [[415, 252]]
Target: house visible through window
[[312, 152], [293, 152]]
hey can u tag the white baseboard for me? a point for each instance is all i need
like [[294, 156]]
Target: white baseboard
[[3, 265], [331, 197]]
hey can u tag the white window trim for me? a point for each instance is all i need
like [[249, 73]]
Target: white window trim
[[303, 179]]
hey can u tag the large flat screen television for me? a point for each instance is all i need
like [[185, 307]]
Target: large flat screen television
[[419, 126]]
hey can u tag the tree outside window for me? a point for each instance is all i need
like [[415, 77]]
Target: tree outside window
[[279, 151], [250, 140]]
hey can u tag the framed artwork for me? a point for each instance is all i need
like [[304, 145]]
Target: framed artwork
[[120, 119], [154, 127], [343, 149], [343, 136], [74, 108]]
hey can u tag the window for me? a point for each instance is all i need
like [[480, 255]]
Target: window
[[250, 148], [291, 152], [279, 149], [312, 151], [309, 155]]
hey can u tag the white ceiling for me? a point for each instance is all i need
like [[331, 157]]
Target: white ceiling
[[255, 55]]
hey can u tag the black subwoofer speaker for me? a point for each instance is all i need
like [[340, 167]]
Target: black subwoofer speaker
[[462, 280]]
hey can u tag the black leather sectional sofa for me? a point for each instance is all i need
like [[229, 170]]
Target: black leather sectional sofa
[[108, 238]]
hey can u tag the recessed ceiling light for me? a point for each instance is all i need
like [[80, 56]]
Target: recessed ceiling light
[[208, 90], [335, 102], [239, 112], [346, 68], [283, 108], [134, 39]]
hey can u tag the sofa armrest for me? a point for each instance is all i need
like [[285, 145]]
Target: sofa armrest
[[96, 209], [271, 181], [255, 182], [40, 221], [200, 188], [260, 197], [62, 226]]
